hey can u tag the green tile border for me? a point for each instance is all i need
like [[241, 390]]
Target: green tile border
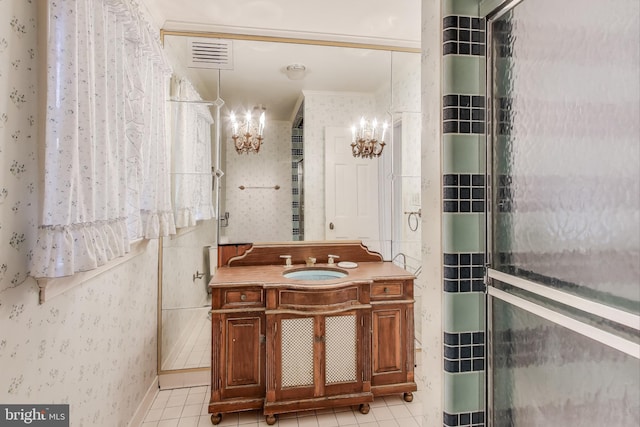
[[460, 7], [463, 74], [464, 312], [463, 392], [463, 154], [463, 232]]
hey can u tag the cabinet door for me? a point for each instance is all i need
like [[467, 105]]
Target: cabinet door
[[320, 356], [389, 355], [347, 347], [243, 357], [296, 353]]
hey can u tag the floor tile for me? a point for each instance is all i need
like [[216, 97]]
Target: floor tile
[[188, 407]]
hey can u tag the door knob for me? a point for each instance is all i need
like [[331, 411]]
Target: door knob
[[331, 226]]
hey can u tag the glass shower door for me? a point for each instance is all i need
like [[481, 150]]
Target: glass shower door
[[564, 223]]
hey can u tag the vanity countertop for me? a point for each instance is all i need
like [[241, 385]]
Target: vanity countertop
[[272, 275]]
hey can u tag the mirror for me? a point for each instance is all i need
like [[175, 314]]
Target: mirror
[[280, 194]]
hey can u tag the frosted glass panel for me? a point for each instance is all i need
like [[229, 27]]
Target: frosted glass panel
[[566, 174], [546, 375]]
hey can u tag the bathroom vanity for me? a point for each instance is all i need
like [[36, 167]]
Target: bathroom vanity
[[311, 340]]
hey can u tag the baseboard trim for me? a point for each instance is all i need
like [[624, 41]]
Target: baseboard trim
[[193, 377], [145, 405]]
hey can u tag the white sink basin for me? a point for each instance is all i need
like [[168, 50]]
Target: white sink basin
[[315, 274]]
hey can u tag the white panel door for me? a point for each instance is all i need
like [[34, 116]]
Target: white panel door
[[351, 190]]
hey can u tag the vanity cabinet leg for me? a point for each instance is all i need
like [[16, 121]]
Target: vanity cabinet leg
[[408, 397], [216, 418], [271, 419], [364, 408]]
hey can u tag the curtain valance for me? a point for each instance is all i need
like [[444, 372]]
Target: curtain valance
[[107, 156]]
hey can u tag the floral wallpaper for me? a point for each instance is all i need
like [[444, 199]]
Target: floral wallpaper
[[322, 110], [18, 136], [93, 347], [259, 214]]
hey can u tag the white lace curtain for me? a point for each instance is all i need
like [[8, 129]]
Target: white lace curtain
[[106, 164], [191, 166]]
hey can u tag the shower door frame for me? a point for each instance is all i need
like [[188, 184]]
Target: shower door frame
[[604, 311]]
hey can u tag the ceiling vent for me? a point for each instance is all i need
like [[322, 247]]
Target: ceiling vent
[[210, 53]]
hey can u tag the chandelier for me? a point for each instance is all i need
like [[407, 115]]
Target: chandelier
[[247, 134], [365, 142]]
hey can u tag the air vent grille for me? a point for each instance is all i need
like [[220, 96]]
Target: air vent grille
[[210, 53]]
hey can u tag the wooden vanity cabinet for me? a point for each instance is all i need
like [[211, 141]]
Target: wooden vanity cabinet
[[283, 345], [238, 350], [393, 346]]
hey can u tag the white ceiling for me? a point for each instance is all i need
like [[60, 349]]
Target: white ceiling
[[257, 76], [394, 22]]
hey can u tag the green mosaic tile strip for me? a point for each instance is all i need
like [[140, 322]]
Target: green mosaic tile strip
[[486, 6], [463, 153], [463, 392], [460, 7], [463, 74], [462, 232], [463, 312]]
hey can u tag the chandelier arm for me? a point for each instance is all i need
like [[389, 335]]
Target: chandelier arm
[[379, 151], [355, 150], [238, 144]]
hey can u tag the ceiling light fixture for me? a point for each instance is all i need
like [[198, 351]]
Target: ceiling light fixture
[[364, 140], [247, 134], [295, 71]]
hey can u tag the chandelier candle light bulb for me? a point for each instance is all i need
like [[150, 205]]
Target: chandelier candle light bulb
[[261, 127]]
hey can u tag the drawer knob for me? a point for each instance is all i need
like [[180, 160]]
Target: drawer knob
[[386, 290], [243, 297]]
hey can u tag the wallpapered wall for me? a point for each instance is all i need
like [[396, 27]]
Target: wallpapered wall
[[18, 150], [259, 214], [321, 110], [94, 347]]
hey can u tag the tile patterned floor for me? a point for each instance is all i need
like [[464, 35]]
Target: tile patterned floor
[[187, 407]]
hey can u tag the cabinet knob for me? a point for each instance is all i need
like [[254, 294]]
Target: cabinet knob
[[243, 297], [386, 290]]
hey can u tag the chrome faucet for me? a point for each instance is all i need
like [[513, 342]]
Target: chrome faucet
[[287, 260]]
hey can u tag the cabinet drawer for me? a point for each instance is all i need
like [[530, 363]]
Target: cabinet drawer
[[387, 290], [250, 297]]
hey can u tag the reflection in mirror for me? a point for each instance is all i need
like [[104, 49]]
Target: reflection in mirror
[[185, 324], [300, 185], [184, 327], [405, 165], [338, 87]]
